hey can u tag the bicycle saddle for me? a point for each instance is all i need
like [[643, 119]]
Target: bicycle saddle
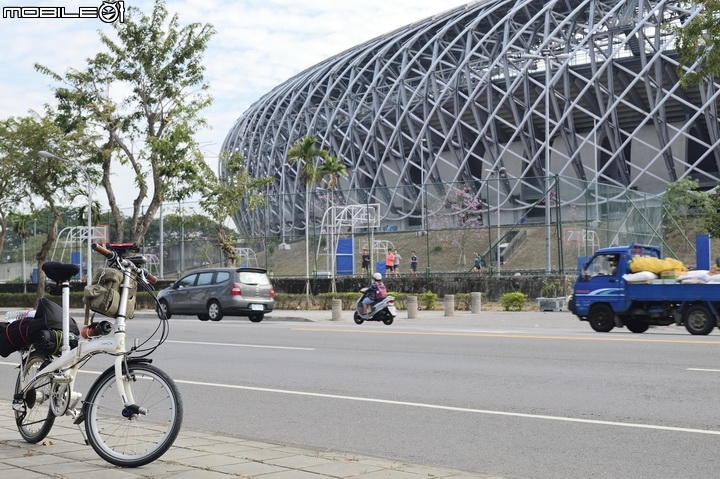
[[60, 272]]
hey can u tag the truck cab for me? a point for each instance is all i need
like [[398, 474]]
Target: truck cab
[[599, 292]]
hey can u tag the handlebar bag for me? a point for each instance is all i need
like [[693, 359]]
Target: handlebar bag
[[103, 295]]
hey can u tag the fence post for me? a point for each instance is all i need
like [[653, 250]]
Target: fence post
[[449, 304], [412, 307], [475, 302]]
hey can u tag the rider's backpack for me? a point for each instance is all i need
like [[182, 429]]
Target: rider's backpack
[[381, 291], [28, 329]]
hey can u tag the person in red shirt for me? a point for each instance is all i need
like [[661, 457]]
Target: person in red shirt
[[389, 262]]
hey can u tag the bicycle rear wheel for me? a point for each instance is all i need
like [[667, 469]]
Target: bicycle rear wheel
[[133, 438], [33, 415]]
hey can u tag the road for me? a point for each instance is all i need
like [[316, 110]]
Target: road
[[523, 395]]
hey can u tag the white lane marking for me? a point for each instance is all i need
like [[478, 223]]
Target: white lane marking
[[458, 409], [449, 408], [704, 370], [240, 345]]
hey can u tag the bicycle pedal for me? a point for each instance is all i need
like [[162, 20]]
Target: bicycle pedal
[[80, 418]]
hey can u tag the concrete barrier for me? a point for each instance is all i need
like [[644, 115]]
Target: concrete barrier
[[475, 302], [337, 309], [412, 307], [449, 304]]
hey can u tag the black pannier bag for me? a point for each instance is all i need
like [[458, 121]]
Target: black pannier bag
[[21, 333]]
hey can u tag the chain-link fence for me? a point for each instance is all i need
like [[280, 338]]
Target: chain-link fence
[[512, 223]]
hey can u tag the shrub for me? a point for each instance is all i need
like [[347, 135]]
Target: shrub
[[513, 301], [429, 299]]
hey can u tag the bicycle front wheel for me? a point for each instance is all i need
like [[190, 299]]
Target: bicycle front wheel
[[33, 415], [132, 437]]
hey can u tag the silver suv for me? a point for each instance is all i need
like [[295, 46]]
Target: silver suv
[[216, 292]]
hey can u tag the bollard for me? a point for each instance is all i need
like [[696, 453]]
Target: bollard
[[449, 304], [475, 302], [412, 307], [337, 309]]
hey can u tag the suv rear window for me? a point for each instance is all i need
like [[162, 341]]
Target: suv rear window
[[253, 277]]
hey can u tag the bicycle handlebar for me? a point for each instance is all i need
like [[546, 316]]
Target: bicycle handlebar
[[113, 256], [102, 250]]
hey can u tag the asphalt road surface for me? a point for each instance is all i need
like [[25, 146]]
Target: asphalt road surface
[[524, 395]]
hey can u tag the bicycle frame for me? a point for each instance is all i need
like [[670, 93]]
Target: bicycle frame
[[70, 360]]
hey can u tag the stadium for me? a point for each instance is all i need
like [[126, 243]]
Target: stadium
[[509, 113]]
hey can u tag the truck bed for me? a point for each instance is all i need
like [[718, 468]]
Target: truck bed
[[673, 292]]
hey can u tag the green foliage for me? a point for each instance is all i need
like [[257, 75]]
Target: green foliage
[[221, 197], [513, 301], [437, 248], [147, 88], [711, 222], [552, 288], [683, 199], [305, 150], [429, 298], [699, 42]]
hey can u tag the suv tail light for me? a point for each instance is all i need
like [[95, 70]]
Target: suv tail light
[[235, 291], [272, 292]]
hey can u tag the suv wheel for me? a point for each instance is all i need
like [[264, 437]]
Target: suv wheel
[[214, 311], [163, 308]]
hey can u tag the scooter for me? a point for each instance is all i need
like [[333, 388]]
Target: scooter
[[383, 310]]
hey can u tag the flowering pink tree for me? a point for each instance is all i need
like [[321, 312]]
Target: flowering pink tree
[[461, 222]]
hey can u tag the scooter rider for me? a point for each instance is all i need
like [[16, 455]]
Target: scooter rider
[[375, 292]]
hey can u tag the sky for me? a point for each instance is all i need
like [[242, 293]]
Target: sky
[[259, 44]]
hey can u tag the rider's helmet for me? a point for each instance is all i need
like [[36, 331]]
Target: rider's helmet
[[377, 276]]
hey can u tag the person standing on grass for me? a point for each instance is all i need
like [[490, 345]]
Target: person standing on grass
[[389, 262], [365, 261], [479, 262], [413, 264]]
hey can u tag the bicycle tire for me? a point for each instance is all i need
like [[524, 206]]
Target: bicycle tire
[[133, 440], [36, 418]]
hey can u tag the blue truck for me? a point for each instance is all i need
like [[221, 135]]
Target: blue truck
[[602, 297]]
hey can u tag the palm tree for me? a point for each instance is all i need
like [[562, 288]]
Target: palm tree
[[306, 151], [331, 169]]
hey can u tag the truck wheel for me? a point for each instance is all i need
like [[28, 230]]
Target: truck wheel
[[698, 320], [601, 318], [637, 326]]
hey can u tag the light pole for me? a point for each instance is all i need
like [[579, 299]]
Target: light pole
[[47, 154], [500, 172], [423, 205], [547, 56]]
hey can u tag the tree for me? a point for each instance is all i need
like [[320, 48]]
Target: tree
[[463, 222], [685, 210], [306, 152], [332, 169], [698, 44], [151, 128], [36, 178], [235, 193]]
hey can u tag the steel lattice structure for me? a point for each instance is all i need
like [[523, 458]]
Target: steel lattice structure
[[495, 83]]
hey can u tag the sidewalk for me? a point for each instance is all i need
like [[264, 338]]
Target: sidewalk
[[195, 455]]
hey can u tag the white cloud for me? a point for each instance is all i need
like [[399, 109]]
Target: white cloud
[[258, 45]]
